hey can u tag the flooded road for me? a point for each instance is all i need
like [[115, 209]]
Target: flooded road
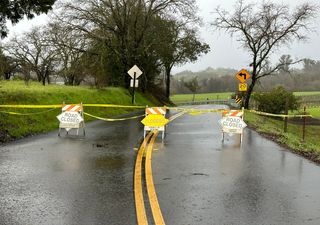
[[46, 180], [200, 180], [66, 181]]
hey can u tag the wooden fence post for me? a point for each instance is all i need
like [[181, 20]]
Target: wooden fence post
[[304, 124], [285, 129]]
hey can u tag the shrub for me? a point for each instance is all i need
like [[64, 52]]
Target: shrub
[[275, 101]]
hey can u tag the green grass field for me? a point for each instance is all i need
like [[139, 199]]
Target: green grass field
[[315, 112], [200, 97], [306, 93], [212, 96], [16, 92]]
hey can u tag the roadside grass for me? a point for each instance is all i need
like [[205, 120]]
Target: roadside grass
[[16, 92], [292, 139], [200, 97], [307, 93]]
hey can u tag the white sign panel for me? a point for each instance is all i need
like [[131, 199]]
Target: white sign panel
[[232, 125], [69, 120], [135, 70], [136, 84], [146, 128]]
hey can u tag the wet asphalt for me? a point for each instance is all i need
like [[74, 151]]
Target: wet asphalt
[[200, 180], [48, 180]]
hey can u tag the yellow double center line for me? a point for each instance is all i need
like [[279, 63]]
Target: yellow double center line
[[138, 192], [155, 207]]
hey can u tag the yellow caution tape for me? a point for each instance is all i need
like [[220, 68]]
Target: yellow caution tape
[[114, 106], [27, 114], [31, 106], [60, 106], [279, 115], [196, 111], [113, 120]]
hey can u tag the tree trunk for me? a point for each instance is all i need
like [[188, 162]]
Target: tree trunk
[[247, 97], [48, 79], [7, 75], [168, 82]]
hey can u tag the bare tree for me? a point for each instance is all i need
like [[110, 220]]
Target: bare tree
[[8, 66], [69, 47], [262, 29], [193, 86], [285, 61], [33, 52]]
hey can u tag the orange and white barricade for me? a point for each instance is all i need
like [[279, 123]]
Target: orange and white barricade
[[160, 111], [71, 118], [232, 122]]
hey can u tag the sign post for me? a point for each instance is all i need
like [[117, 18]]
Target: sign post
[[134, 73], [134, 87]]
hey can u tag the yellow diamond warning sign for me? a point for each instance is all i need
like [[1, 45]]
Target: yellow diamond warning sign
[[243, 87], [243, 75], [154, 120]]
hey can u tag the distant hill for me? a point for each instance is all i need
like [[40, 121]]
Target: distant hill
[[223, 80], [205, 74]]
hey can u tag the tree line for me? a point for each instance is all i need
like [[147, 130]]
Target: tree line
[[99, 41], [211, 80]]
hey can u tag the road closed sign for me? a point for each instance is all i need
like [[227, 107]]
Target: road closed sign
[[154, 120], [70, 119], [232, 125]]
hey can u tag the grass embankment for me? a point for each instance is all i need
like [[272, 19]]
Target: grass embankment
[[293, 138], [16, 92], [200, 97]]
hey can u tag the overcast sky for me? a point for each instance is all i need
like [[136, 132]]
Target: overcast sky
[[225, 51]]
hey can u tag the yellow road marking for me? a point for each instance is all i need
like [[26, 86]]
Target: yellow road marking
[[138, 195], [176, 116], [155, 208]]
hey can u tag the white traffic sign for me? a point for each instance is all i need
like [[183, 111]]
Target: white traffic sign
[[70, 119], [135, 70], [136, 83], [232, 125]]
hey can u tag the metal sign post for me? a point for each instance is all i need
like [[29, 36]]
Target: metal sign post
[[134, 87], [134, 73]]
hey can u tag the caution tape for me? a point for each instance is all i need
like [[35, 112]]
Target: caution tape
[[27, 114], [60, 106], [113, 120], [31, 106], [114, 106], [279, 115], [196, 111]]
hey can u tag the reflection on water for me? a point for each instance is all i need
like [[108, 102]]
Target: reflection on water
[[107, 162]]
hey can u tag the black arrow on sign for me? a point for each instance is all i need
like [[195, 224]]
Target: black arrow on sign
[[243, 75]]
